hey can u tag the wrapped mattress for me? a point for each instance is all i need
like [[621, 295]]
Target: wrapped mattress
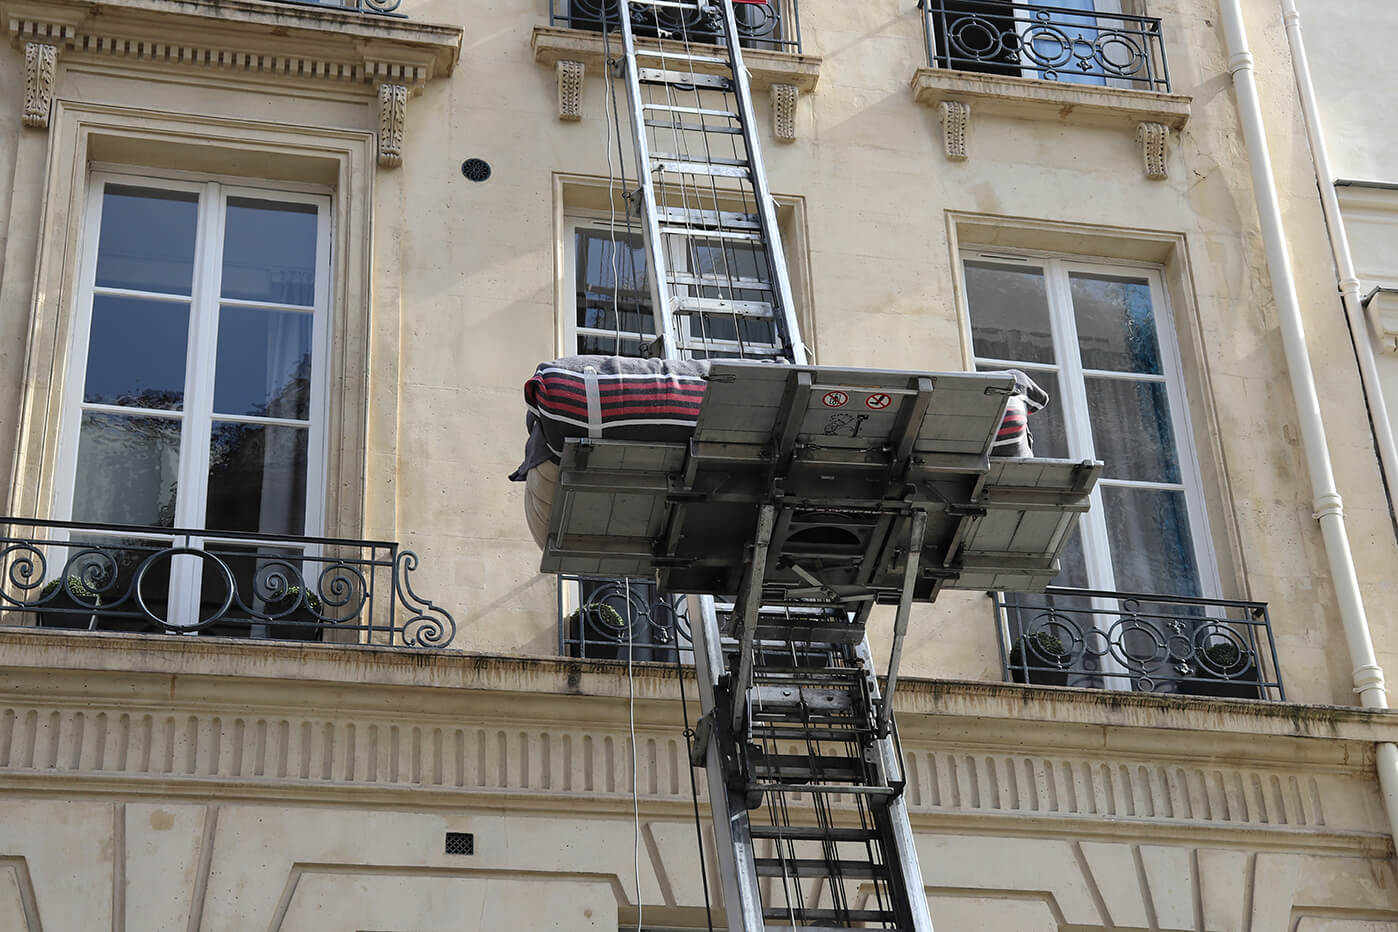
[[657, 400]]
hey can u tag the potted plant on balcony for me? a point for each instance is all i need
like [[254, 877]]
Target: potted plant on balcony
[[604, 624], [1226, 672], [67, 603], [294, 618], [1036, 650]]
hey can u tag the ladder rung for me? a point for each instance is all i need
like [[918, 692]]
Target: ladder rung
[[812, 833], [692, 111], [764, 350], [835, 788], [794, 767], [694, 127], [818, 867], [773, 732], [754, 310], [802, 634], [708, 160], [740, 236], [683, 79], [833, 915], [670, 56], [710, 218], [692, 5], [718, 281], [689, 167]]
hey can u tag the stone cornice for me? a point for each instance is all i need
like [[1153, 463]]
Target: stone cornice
[[360, 677], [285, 40]]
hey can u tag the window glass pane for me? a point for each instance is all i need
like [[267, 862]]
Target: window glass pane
[[257, 478], [1150, 540], [136, 352], [1131, 430], [1009, 312], [611, 280], [264, 363], [269, 251], [727, 260], [146, 242], [1116, 326], [127, 470]]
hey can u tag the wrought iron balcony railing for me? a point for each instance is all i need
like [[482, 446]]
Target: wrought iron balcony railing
[[1147, 643], [762, 24], [105, 577], [608, 618], [374, 7], [1032, 40]]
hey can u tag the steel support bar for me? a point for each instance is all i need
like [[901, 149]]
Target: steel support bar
[[732, 833], [900, 624], [749, 604]]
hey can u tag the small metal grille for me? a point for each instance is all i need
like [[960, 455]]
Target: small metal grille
[[461, 843], [475, 169]]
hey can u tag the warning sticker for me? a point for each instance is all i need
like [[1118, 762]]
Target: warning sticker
[[835, 399], [878, 401]]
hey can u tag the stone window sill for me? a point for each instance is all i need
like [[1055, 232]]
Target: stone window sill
[[957, 93], [786, 75]]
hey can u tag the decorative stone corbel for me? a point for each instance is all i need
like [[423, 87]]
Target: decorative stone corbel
[[956, 124], [784, 98], [40, 61], [393, 115], [1153, 138], [570, 76]]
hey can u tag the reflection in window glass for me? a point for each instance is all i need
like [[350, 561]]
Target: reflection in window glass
[[1152, 550], [269, 252], [264, 363], [611, 280], [1116, 326], [146, 241], [136, 353], [127, 470], [1009, 312], [1131, 429], [257, 478]]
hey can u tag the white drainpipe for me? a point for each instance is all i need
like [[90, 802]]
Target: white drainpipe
[[1368, 676]]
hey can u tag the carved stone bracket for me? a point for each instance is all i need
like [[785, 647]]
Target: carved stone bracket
[[40, 60], [1153, 138], [784, 98], [570, 76], [393, 115], [956, 125]]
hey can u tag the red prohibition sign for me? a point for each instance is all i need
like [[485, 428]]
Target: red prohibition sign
[[879, 401], [835, 399]]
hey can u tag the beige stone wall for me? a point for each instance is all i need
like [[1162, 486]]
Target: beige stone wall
[[230, 787], [463, 295]]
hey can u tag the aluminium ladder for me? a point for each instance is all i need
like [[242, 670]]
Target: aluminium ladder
[[794, 730]]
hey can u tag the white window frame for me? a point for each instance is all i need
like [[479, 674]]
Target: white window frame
[[196, 416], [1070, 372]]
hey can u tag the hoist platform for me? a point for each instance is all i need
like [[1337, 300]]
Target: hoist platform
[[846, 457]]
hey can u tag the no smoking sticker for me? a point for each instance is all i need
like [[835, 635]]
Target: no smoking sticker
[[835, 399], [878, 401]]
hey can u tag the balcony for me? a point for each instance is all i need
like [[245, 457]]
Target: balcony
[[1048, 43], [606, 619], [771, 25], [372, 7], [152, 580], [1146, 643]]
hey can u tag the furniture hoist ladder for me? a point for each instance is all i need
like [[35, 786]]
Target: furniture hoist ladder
[[805, 778]]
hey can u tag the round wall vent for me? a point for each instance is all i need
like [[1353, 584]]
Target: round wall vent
[[475, 169]]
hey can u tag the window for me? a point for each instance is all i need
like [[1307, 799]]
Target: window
[[197, 379], [1098, 339]]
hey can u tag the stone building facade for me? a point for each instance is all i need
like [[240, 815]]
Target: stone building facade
[[273, 275]]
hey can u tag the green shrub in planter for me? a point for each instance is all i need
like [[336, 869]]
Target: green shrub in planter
[[1045, 649], [67, 606], [1225, 658], [598, 621], [294, 618]]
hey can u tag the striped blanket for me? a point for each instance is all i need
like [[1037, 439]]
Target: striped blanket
[[657, 400]]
